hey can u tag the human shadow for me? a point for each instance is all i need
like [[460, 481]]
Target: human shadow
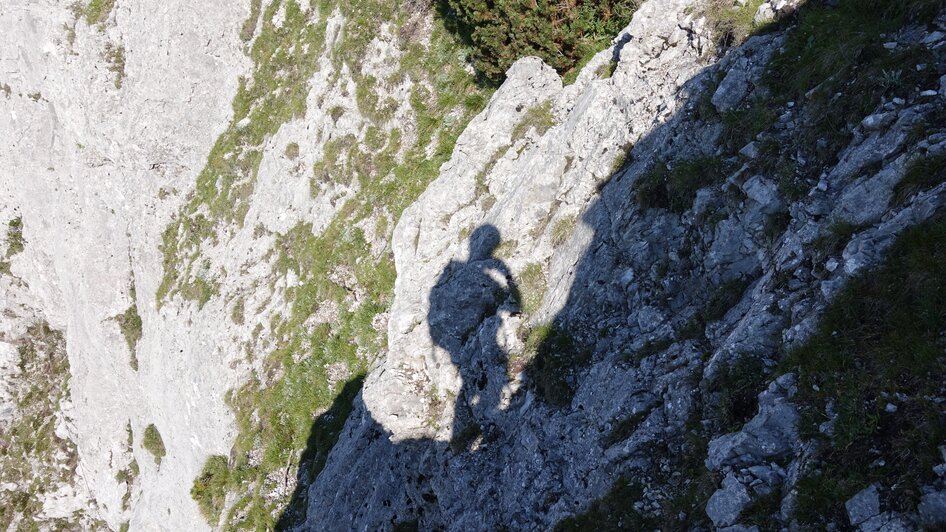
[[469, 294]]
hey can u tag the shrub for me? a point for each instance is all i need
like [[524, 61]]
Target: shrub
[[675, 189], [153, 443], [561, 33], [292, 150], [210, 488], [130, 324]]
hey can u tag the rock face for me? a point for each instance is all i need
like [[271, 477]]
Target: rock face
[[576, 289]]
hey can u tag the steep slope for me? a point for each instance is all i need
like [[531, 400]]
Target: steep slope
[[604, 276], [292, 264]]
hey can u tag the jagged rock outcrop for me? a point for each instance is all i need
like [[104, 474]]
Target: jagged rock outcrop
[[220, 220], [626, 284]]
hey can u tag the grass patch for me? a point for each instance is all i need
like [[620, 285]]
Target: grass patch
[[563, 229], [723, 298], [115, 57], [554, 358], [730, 23], [835, 51], [32, 456], [614, 511], [210, 488], [153, 443], [832, 242], [737, 387], [675, 188], [15, 241], [921, 174], [883, 335], [292, 150], [130, 324], [532, 286], [538, 118], [97, 11]]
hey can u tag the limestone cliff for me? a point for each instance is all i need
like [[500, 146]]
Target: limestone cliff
[[293, 265]]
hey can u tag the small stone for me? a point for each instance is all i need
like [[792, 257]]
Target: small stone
[[933, 37], [890, 408], [877, 121], [921, 67], [751, 150], [831, 265], [890, 45], [929, 93], [899, 101]]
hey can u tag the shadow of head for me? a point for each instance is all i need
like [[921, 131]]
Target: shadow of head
[[483, 242], [467, 292]]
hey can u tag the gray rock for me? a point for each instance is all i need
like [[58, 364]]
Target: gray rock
[[864, 505], [886, 522], [772, 432], [932, 508], [728, 502]]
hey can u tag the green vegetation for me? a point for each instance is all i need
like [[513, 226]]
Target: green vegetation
[[624, 429], [15, 241], [130, 324], [539, 118], [563, 229], [606, 70], [723, 298], [32, 456], [115, 57], [675, 188], [153, 443], [292, 150], [210, 488], [737, 387], [563, 34], [614, 511], [532, 286], [742, 126], [921, 174], [832, 242], [249, 25], [97, 11], [730, 23], [839, 50], [553, 358], [276, 408], [880, 341], [130, 473], [323, 435]]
